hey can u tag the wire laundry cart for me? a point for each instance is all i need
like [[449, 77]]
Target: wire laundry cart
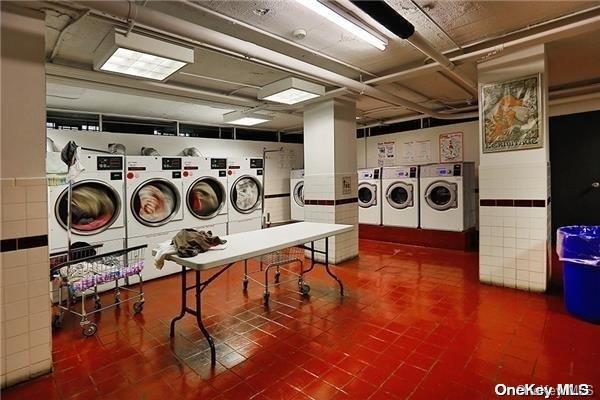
[[86, 270], [281, 260]]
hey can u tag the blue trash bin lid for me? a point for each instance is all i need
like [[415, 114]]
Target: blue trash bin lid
[[579, 244]]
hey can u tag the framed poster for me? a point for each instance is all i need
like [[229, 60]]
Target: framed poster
[[511, 115], [451, 147]]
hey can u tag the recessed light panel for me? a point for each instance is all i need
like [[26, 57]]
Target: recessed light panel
[[131, 62], [290, 91], [245, 119]]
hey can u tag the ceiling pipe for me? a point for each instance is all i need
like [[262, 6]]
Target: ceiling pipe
[[387, 16], [156, 20], [560, 32], [276, 37]]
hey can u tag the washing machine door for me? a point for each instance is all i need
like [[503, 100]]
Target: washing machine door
[[400, 195], [441, 195], [245, 195], [155, 202], [205, 197], [299, 193], [367, 195], [95, 206]]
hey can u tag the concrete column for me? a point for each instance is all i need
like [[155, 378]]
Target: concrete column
[[514, 191], [25, 299], [330, 174]]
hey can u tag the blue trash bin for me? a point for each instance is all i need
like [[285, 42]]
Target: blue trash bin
[[578, 247]]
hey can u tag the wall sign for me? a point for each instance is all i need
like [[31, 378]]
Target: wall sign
[[346, 185], [386, 153], [511, 115], [451, 147], [416, 152]]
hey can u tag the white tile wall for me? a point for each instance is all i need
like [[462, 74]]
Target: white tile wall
[[514, 181], [329, 187], [513, 256], [25, 302]]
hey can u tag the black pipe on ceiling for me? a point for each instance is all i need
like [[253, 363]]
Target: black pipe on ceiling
[[381, 12]]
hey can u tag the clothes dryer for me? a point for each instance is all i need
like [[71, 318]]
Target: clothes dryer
[[154, 197], [447, 193], [97, 206], [245, 186], [369, 196], [400, 189], [205, 194], [297, 194]]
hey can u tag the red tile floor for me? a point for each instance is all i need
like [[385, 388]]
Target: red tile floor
[[415, 324]]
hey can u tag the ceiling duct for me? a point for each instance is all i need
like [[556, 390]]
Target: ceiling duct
[[385, 15], [164, 23]]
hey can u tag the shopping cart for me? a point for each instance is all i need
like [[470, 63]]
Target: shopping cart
[[281, 260], [85, 272]]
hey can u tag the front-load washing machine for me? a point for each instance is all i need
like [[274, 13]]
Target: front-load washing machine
[[447, 193], [297, 194], [154, 197], [400, 189], [97, 211], [369, 196], [245, 186], [205, 194]]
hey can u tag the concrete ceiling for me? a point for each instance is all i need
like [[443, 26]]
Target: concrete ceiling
[[464, 22]]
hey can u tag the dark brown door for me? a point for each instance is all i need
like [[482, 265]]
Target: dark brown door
[[575, 170]]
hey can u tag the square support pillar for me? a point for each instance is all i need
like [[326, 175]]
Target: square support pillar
[[514, 190], [330, 174]]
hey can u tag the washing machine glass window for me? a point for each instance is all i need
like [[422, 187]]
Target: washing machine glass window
[[299, 194], [155, 202], [441, 195], [367, 195], [400, 195], [245, 194], [206, 197], [94, 207]]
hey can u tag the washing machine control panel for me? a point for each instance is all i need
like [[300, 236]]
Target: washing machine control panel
[[171, 163], [256, 163], [218, 163], [108, 163], [457, 171]]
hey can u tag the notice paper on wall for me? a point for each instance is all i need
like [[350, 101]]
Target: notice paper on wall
[[451, 147], [416, 152], [386, 153]]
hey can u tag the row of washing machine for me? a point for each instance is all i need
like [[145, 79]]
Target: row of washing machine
[[437, 196], [122, 201]]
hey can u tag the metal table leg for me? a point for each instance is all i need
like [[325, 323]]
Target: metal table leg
[[329, 270], [198, 287]]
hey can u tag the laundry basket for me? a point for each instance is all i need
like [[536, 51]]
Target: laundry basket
[[578, 247]]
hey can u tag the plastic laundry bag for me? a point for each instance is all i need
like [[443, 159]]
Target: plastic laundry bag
[[579, 244], [71, 155]]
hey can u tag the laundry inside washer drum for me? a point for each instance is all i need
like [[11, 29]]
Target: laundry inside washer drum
[[204, 199], [92, 207], [246, 193], [156, 201]]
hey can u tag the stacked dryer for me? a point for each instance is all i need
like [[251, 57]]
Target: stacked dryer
[[297, 195], [205, 190], [97, 214], [369, 196], [154, 196], [400, 188], [245, 188], [448, 199]]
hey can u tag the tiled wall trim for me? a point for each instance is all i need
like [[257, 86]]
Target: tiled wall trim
[[512, 203], [330, 202], [274, 196], [23, 243]]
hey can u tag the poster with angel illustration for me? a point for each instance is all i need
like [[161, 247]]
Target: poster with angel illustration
[[451, 147], [511, 115]]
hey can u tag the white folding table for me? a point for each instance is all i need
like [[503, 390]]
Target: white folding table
[[243, 246]]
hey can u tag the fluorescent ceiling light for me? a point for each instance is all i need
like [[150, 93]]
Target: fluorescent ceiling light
[[343, 22], [141, 56], [290, 91], [245, 119]]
